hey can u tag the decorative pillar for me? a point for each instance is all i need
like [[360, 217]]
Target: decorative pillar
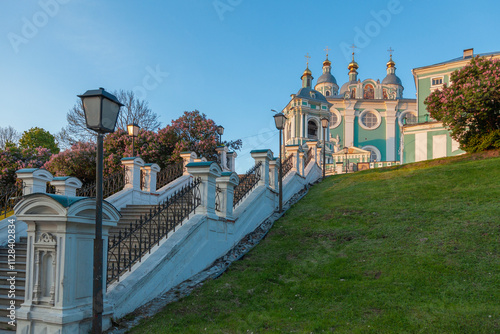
[[66, 185], [349, 126], [263, 156], [58, 290], [208, 172], [231, 157], [313, 145], [294, 149], [34, 180], [222, 151], [226, 184], [132, 172], [274, 166], [149, 172], [301, 162], [187, 157], [390, 130]]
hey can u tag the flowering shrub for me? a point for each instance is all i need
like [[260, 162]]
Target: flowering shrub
[[470, 107], [14, 158], [79, 161]]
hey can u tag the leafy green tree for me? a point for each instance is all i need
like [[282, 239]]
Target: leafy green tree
[[470, 106], [38, 137]]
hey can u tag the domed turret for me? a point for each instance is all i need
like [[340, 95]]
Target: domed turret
[[307, 75], [327, 84], [391, 77]]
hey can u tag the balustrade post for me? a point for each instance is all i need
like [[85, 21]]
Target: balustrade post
[[295, 150], [313, 145], [34, 180], [132, 172], [149, 172], [208, 172], [263, 156], [187, 157], [226, 184], [58, 288], [222, 152], [232, 161], [301, 162], [274, 166], [66, 185]]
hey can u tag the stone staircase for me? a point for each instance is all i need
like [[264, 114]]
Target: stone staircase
[[20, 268]]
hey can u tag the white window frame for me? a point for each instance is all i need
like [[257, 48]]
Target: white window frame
[[339, 118], [374, 149], [377, 114], [403, 115]]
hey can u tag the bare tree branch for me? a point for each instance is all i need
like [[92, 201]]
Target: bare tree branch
[[134, 111], [8, 135]]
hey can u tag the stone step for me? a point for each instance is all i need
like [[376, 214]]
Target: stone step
[[20, 271], [4, 258], [18, 250]]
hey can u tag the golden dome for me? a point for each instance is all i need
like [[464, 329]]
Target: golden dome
[[353, 66], [391, 63], [307, 72]]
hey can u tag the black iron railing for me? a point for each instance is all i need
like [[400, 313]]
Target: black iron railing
[[287, 164], [218, 205], [111, 185], [247, 183], [143, 179], [309, 157], [9, 196], [128, 246], [168, 174], [50, 189]]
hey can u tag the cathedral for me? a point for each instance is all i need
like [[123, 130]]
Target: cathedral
[[366, 116]]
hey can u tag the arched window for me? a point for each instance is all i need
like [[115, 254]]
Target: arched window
[[327, 93], [312, 130], [384, 92], [369, 92], [374, 153], [353, 93]]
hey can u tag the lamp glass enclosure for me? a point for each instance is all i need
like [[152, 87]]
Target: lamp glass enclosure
[[279, 120]]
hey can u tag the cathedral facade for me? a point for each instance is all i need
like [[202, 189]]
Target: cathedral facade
[[365, 116]]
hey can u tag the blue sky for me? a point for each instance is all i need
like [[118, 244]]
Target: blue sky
[[233, 60]]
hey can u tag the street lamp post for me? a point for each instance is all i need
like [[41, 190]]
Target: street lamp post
[[133, 131], [101, 112], [324, 124], [346, 150], [220, 131], [280, 119]]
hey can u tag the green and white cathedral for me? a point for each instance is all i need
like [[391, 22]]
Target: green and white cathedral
[[371, 118], [366, 116]]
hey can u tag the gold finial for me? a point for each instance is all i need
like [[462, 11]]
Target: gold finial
[[327, 49], [353, 47], [390, 63], [307, 59], [353, 66], [390, 51]]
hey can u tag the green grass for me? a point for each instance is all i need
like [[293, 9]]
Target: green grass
[[407, 249]]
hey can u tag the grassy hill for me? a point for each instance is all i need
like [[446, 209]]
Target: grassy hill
[[407, 249]]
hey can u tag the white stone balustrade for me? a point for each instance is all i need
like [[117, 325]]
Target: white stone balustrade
[[66, 185], [208, 172], [34, 180], [263, 156], [149, 172], [226, 183], [132, 172]]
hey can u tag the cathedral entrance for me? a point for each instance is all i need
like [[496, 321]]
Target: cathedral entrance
[[312, 130]]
